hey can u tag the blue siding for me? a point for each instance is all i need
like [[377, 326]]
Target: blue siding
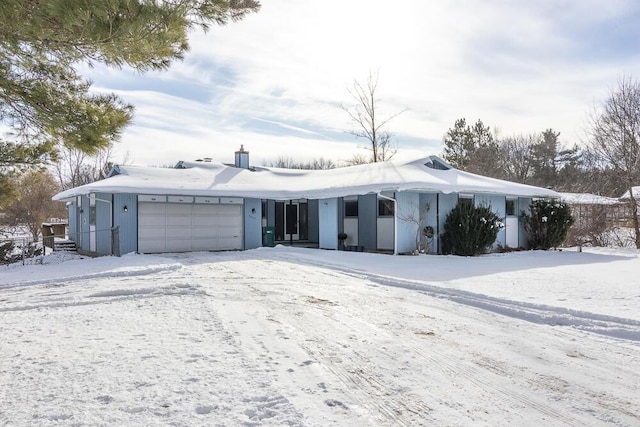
[[103, 223], [127, 221], [408, 205], [446, 203], [430, 218], [252, 223], [271, 213], [367, 221], [340, 215], [496, 204], [84, 224], [313, 220], [328, 225], [72, 214]]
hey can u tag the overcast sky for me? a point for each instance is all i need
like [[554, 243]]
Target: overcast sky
[[276, 80]]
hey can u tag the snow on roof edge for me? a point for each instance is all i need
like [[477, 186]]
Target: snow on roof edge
[[211, 179]]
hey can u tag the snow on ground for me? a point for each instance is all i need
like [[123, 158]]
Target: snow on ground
[[289, 336]]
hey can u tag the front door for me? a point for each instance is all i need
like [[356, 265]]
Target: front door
[[291, 221]]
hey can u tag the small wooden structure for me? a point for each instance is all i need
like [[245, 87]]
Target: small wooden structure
[[51, 230]]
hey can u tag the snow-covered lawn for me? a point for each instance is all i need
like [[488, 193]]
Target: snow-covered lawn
[[289, 336]]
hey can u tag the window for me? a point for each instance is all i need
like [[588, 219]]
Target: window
[[264, 209], [92, 215], [351, 208], [385, 207], [465, 200], [510, 208]]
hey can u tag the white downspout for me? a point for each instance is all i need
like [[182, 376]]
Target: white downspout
[[395, 222], [110, 206], [110, 213]]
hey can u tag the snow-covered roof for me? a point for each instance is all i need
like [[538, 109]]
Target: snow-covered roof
[[636, 193], [587, 199], [216, 179]]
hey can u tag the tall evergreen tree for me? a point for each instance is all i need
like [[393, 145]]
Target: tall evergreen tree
[[471, 148], [47, 102], [544, 158], [458, 146]]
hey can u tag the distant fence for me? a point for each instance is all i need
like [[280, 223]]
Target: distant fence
[[19, 249]]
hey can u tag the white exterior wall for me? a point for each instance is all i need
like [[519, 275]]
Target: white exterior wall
[[430, 218], [351, 229], [384, 237], [328, 223]]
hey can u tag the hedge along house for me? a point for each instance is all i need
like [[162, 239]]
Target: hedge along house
[[210, 206]]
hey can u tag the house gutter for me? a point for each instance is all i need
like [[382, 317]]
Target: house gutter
[[395, 221]]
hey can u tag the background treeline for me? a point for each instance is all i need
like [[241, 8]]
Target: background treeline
[[540, 159]]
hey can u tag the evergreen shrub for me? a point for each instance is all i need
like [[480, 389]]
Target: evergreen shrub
[[548, 224], [470, 230]]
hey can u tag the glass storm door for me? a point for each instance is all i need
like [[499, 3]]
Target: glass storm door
[[291, 221]]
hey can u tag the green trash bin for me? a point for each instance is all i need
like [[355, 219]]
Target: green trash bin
[[268, 236]]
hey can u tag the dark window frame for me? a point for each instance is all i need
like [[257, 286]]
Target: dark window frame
[[92, 214], [351, 208], [510, 207], [468, 200], [386, 208]]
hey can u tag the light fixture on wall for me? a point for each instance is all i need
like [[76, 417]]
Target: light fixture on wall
[[125, 208], [253, 210]]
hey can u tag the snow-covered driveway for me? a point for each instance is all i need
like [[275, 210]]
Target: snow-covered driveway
[[304, 337]]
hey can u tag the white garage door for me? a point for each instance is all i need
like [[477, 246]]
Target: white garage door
[[183, 227]]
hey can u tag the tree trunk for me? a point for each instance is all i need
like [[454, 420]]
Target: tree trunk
[[634, 213]]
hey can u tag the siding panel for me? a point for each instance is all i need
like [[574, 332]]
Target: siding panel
[[126, 221]]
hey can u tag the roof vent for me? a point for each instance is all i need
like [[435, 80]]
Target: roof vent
[[437, 163]]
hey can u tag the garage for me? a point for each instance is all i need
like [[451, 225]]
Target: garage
[[182, 223]]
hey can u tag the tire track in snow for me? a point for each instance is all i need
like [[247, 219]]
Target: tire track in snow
[[384, 398], [107, 274], [399, 408], [614, 327], [610, 326], [485, 379], [382, 395]]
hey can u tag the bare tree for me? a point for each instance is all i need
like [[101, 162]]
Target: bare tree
[[287, 162], [516, 157], [33, 204], [416, 215], [368, 124], [615, 136], [321, 164], [358, 159], [75, 168], [284, 162]]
